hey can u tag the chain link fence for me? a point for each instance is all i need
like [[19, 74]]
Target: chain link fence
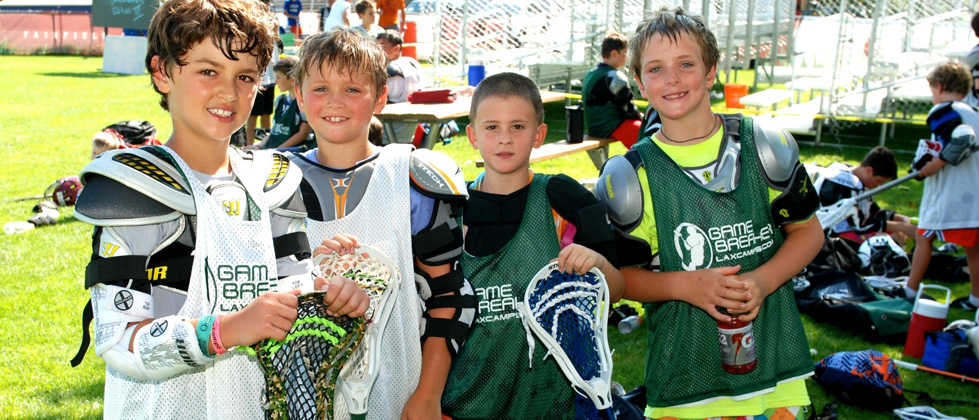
[[871, 56], [868, 58]]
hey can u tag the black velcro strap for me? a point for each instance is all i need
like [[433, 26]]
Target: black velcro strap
[[115, 270], [434, 241], [295, 243], [445, 328], [87, 316], [451, 301], [118, 271], [446, 283]]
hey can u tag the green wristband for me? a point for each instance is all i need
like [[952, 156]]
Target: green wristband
[[204, 333]]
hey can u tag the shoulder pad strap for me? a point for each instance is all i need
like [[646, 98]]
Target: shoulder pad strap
[[777, 151], [619, 188], [281, 182], [121, 180], [436, 175]]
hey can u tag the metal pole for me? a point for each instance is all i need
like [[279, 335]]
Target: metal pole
[[705, 12], [749, 39], [836, 63], [619, 13], [729, 46], [438, 36], [773, 54], [878, 10], [464, 47]]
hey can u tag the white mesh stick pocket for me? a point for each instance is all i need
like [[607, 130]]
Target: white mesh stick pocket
[[376, 274]]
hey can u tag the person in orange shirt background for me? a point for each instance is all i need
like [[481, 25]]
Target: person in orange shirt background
[[392, 15]]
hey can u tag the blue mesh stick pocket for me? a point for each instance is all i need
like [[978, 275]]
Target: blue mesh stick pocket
[[568, 313]]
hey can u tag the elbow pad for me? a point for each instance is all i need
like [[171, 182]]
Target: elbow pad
[[167, 347], [451, 290], [114, 309], [960, 144]]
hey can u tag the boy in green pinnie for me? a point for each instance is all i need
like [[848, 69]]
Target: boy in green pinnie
[[728, 212], [516, 222]]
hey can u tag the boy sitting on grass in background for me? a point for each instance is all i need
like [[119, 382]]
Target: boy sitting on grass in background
[[727, 208], [401, 201], [167, 217], [609, 111], [949, 201], [289, 125], [840, 181], [516, 222]]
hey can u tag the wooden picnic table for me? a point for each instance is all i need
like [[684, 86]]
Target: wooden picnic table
[[434, 114]]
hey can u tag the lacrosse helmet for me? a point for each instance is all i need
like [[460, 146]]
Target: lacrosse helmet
[[64, 191]]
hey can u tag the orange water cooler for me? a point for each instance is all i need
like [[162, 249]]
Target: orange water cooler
[[926, 315]]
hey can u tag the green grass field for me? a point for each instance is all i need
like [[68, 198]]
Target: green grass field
[[51, 106]]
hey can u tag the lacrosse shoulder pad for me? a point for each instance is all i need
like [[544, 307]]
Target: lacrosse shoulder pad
[[120, 181], [436, 175], [777, 151], [960, 145], [618, 187], [450, 290]]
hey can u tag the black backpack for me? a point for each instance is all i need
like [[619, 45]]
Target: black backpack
[[845, 300], [134, 133]]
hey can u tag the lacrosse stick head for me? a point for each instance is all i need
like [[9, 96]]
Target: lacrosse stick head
[[832, 215], [569, 314], [377, 275], [301, 371]]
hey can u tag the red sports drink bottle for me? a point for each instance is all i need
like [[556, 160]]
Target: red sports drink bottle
[[737, 344]]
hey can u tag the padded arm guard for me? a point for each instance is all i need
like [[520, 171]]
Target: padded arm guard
[[162, 349], [960, 145], [451, 290], [167, 347]]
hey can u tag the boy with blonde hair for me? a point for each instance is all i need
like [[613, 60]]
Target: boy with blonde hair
[[728, 212], [401, 201], [516, 223], [949, 203], [198, 248]]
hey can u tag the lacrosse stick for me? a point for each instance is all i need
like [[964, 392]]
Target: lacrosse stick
[[922, 413], [301, 371], [376, 274], [830, 216], [32, 197], [569, 314], [912, 366]]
